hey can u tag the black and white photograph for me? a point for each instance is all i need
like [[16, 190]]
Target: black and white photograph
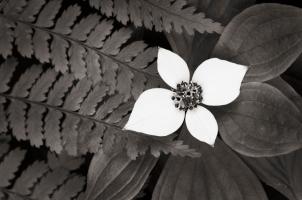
[[150, 100]]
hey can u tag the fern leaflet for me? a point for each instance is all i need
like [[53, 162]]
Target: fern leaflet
[[163, 15], [38, 180]]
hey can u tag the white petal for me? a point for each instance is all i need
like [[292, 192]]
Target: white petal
[[172, 68], [202, 124], [154, 113], [220, 81]]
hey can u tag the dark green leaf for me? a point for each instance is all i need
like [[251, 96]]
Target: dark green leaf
[[282, 172], [262, 38], [217, 174], [115, 176], [262, 121], [287, 90]]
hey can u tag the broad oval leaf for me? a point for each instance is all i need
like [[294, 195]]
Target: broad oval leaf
[[262, 37], [115, 176], [262, 121], [287, 90], [217, 174], [281, 172]]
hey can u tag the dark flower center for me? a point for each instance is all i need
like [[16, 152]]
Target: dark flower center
[[187, 95]]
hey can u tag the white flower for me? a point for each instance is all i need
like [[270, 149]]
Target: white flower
[[161, 112]]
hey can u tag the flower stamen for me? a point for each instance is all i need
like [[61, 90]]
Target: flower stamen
[[187, 95]]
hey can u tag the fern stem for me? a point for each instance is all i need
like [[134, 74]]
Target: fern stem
[[61, 110]]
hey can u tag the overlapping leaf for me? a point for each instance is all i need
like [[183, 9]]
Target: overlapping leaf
[[287, 90], [217, 174], [115, 176], [262, 38], [262, 121], [161, 14], [281, 172]]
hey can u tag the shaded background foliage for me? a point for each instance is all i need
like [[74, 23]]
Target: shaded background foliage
[[293, 76]]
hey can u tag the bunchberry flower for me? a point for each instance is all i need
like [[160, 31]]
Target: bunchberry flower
[[161, 112]]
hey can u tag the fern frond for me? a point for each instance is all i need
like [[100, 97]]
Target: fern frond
[[37, 180], [137, 145], [86, 46], [64, 112], [163, 15], [71, 115]]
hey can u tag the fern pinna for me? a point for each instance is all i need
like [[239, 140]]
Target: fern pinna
[[163, 15], [54, 178]]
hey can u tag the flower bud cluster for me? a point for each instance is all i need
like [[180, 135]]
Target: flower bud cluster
[[187, 95]]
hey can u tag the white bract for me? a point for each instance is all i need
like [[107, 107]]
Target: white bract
[[155, 113]]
